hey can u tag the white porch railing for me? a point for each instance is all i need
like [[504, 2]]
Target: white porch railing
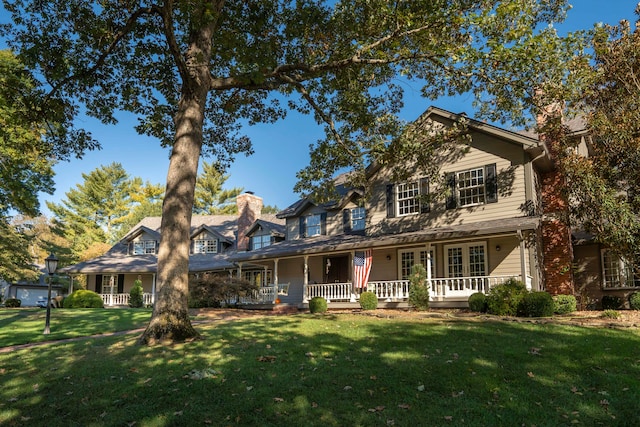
[[264, 295], [398, 290], [331, 291], [111, 300]]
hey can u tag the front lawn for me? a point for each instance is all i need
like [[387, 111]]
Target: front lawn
[[25, 325], [333, 370]]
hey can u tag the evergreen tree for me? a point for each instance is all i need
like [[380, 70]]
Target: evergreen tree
[[210, 197]]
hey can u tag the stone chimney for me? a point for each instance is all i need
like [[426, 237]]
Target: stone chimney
[[557, 248], [249, 210]]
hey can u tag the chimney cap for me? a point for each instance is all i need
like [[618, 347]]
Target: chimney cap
[[249, 192]]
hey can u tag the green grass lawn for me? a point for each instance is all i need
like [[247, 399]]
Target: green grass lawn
[[20, 326], [331, 370]]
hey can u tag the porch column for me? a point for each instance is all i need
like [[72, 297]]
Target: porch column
[[70, 290], [523, 263], [305, 279], [275, 271], [239, 271], [153, 288], [353, 271]]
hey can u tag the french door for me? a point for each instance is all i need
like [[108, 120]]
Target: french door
[[466, 260]]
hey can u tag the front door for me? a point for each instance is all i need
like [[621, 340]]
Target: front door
[[336, 269]]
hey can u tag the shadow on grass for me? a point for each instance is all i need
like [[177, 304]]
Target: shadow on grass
[[333, 370]]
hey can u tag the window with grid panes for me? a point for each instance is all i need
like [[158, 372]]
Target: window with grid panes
[[471, 187], [205, 246], [617, 272], [407, 198]]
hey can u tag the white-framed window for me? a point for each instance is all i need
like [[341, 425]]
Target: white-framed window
[[471, 187], [617, 272], [258, 242], [466, 260], [205, 246], [258, 277], [358, 217], [143, 247], [407, 258], [313, 225], [407, 199]]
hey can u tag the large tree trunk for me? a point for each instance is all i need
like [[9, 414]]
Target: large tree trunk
[[170, 320]]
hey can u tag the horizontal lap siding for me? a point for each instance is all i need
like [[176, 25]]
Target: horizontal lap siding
[[509, 160]]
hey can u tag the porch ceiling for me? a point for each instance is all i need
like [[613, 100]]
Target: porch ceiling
[[323, 244]]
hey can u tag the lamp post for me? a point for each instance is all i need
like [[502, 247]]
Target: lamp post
[[52, 263]]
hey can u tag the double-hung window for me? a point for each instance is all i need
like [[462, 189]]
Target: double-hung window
[[617, 272], [313, 225], [205, 246], [357, 219], [143, 247], [472, 187], [408, 198]]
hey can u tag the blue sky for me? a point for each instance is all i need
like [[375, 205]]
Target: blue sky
[[281, 149]]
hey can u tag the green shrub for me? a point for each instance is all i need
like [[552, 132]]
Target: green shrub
[[504, 298], [216, 290], [536, 304], [634, 301], [12, 302], [564, 304], [318, 305], [135, 295], [611, 302], [478, 302], [610, 314], [418, 288], [83, 298], [368, 301]]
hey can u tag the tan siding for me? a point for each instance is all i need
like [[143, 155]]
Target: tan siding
[[506, 261], [509, 160]]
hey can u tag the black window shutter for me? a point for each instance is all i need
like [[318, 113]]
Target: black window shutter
[[391, 201], [346, 221], [424, 196], [323, 223], [130, 248], [491, 183], [303, 228], [452, 199], [120, 283], [98, 283]]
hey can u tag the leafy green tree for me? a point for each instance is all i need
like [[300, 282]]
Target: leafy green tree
[[195, 72], [210, 197], [605, 186]]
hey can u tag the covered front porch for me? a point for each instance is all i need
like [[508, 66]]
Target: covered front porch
[[449, 292]]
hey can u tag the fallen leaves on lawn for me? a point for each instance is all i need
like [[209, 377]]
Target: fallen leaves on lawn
[[404, 406], [269, 359]]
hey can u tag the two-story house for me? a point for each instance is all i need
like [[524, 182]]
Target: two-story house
[[484, 232], [494, 212]]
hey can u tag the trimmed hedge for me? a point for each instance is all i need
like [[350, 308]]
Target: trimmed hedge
[[318, 305], [536, 304], [611, 302], [564, 304], [83, 298], [634, 301], [503, 300], [418, 288], [12, 302], [136, 295], [368, 301], [478, 302]]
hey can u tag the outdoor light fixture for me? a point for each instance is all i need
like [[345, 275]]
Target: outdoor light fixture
[[51, 263]]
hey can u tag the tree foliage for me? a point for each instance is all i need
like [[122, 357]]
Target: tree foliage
[[605, 185], [210, 197], [196, 72]]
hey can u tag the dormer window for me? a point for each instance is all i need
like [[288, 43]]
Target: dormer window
[[358, 216], [144, 247], [258, 242], [313, 225], [205, 246]]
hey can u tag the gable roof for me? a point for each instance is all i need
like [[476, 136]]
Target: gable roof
[[276, 229]]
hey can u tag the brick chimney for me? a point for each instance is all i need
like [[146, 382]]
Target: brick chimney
[[557, 248], [249, 210]]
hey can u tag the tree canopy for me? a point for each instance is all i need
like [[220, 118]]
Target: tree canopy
[[196, 72], [210, 197], [605, 185]]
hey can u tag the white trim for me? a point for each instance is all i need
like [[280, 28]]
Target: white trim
[[465, 258]]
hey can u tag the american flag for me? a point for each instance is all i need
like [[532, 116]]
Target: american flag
[[361, 268]]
